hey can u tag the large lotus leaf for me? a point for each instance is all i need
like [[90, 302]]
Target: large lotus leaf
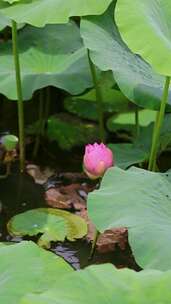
[[141, 201], [126, 155], [4, 21], [134, 76], [147, 28], [126, 121], [165, 136], [39, 12], [85, 106], [64, 129], [144, 139], [53, 224], [145, 136], [11, 1], [104, 284], [26, 268], [52, 56]]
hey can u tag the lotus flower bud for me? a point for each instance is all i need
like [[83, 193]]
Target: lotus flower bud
[[97, 159]]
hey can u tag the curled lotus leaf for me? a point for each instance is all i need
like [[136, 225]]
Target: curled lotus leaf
[[40, 12]]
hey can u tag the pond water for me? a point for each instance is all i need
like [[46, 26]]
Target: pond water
[[19, 193]]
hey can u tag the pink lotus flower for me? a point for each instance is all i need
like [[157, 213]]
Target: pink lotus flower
[[97, 159]]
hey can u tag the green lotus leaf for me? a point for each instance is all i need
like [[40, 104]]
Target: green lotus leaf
[[126, 121], [39, 12], [126, 155], [86, 106], [165, 135], [51, 56], [147, 30], [144, 139], [136, 79], [53, 224], [104, 284], [64, 129], [27, 268], [145, 136], [141, 201], [4, 21], [11, 1]]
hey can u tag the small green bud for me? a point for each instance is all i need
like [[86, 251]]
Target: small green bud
[[9, 142]]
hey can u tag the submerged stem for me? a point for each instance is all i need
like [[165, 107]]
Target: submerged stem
[[19, 95], [157, 127], [99, 98]]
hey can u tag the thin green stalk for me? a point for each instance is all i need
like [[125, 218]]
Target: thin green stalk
[[19, 95], [96, 235], [99, 98], [137, 124], [150, 165], [41, 120], [157, 127]]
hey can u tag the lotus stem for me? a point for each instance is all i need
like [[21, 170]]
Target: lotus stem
[[96, 235], [99, 99], [20, 97], [157, 126]]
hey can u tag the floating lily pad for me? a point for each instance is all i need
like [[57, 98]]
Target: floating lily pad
[[51, 56], [39, 12], [103, 284], [135, 77], [141, 201], [27, 268], [147, 30], [53, 224]]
